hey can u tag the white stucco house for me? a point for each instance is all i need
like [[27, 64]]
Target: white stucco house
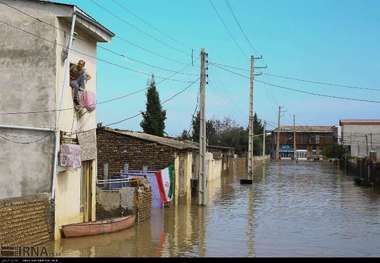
[[36, 109]]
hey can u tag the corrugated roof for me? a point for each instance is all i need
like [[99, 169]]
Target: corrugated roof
[[171, 142], [307, 128], [359, 122]]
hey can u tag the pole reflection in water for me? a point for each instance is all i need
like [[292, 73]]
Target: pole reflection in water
[[303, 209]]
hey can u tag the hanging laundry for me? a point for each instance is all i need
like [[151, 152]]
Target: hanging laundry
[[87, 100], [69, 156]]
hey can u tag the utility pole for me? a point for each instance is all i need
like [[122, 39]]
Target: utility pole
[[264, 134], [366, 142], [370, 136], [278, 134], [250, 126], [294, 137], [202, 182]]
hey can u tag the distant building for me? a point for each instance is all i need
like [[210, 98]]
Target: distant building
[[310, 141], [361, 136]]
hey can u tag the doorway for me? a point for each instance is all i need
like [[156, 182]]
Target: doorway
[[86, 191]]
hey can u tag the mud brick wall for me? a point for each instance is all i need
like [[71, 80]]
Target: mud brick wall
[[143, 203], [27, 221], [116, 149]]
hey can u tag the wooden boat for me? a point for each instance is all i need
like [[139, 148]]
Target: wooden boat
[[98, 227]]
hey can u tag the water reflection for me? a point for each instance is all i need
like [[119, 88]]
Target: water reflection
[[303, 209]]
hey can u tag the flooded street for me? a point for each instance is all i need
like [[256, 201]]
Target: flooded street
[[304, 209]]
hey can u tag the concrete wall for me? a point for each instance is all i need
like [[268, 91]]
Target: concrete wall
[[27, 83], [354, 135], [182, 176], [25, 169], [214, 167]]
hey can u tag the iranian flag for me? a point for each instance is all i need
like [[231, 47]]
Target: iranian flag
[[165, 182]]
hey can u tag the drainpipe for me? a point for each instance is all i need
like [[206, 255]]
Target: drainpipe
[[65, 84], [24, 128]]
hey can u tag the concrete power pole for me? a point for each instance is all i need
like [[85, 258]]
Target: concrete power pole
[[278, 134], [294, 138], [264, 133], [250, 126], [202, 182]]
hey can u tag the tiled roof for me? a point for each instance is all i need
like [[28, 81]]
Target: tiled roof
[[306, 128], [167, 141]]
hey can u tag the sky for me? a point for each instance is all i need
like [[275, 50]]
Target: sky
[[326, 40]]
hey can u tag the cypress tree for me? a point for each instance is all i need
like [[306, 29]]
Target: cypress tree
[[154, 117]]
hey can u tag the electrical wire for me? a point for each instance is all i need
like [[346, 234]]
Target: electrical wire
[[227, 29], [299, 91], [97, 103], [79, 38], [138, 114], [147, 23], [297, 79], [320, 82], [240, 27], [89, 55], [137, 28]]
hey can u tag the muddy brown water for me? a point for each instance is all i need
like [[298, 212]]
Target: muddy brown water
[[303, 209]]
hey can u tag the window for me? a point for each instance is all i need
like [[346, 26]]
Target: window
[[316, 139]]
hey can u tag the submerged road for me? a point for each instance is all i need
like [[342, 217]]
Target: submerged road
[[303, 209]]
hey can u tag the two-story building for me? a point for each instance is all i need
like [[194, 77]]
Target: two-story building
[[47, 168], [310, 141]]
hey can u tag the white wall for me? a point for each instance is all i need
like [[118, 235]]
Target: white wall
[[354, 135]]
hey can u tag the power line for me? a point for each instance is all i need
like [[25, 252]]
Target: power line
[[148, 50], [299, 79], [297, 90], [138, 114], [137, 28], [240, 27], [101, 47], [147, 23], [318, 94], [98, 103], [320, 82], [89, 55], [226, 28]]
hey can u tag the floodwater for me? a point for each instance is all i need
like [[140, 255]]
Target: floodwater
[[303, 209]]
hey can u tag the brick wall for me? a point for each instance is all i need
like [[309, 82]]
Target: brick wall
[[26, 221], [116, 149]]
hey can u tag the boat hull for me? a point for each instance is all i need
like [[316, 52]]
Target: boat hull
[[98, 227]]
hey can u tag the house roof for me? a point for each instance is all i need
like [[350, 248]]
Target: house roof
[[359, 122], [306, 128], [81, 14], [212, 146], [167, 141]]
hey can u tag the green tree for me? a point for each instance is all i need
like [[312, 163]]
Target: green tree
[[185, 135], [210, 130], [333, 151], [154, 117]]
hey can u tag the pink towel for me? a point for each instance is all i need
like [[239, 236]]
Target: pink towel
[[88, 100]]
